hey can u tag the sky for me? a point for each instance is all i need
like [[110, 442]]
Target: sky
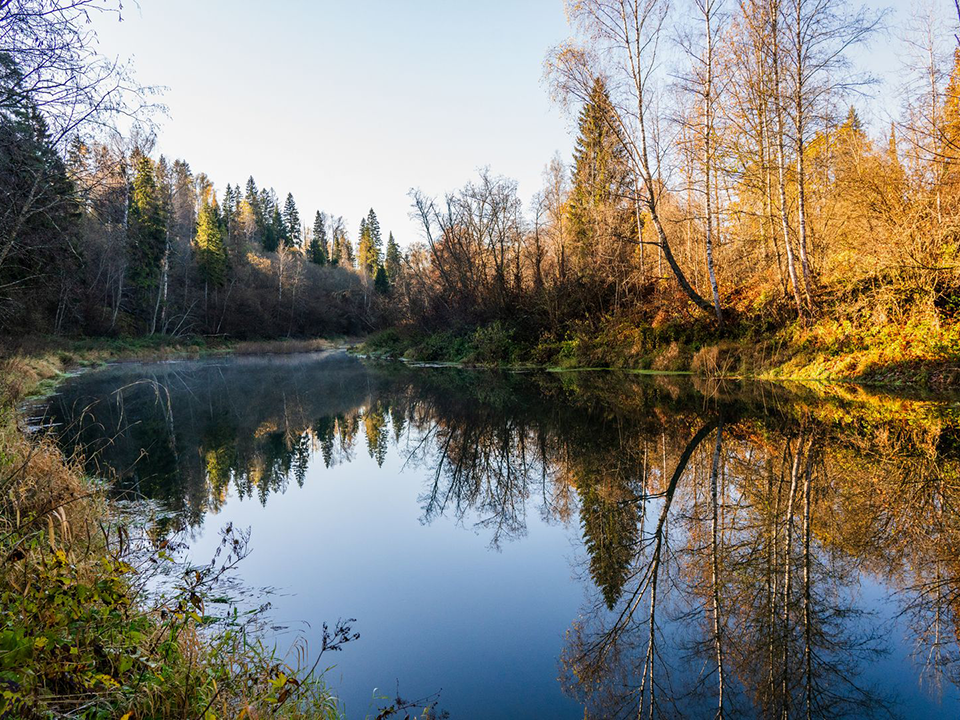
[[349, 105]]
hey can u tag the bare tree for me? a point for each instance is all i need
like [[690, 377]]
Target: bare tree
[[50, 47]]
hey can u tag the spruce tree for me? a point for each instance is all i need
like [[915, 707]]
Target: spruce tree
[[318, 241], [293, 233], [209, 247], [600, 170], [373, 226], [269, 231], [369, 244], [609, 536], [253, 198], [381, 284], [278, 229], [393, 263], [147, 232], [364, 248]]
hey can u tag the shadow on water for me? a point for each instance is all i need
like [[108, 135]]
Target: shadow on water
[[727, 531]]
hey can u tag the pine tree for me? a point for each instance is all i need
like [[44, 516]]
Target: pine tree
[[393, 263], [209, 247], [293, 233], [318, 241]]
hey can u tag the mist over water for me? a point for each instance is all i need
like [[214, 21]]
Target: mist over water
[[545, 544]]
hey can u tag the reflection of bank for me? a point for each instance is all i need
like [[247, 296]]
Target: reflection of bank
[[723, 557]]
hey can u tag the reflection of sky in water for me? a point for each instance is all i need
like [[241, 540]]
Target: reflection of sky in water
[[436, 607], [474, 600]]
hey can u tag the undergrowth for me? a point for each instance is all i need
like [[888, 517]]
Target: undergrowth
[[869, 337]]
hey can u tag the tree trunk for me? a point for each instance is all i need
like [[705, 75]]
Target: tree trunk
[[781, 156], [708, 158]]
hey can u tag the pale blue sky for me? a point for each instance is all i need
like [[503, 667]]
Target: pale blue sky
[[350, 104]]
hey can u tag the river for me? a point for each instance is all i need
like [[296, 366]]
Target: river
[[533, 544]]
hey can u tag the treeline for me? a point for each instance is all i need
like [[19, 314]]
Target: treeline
[[722, 181], [98, 237], [120, 243]]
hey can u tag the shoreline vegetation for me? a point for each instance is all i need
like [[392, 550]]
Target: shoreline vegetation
[[921, 355]]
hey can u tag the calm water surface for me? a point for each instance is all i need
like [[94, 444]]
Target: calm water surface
[[555, 545]]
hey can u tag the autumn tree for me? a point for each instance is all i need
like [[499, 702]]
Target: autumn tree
[[621, 41]]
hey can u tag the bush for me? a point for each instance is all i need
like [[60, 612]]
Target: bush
[[492, 344]]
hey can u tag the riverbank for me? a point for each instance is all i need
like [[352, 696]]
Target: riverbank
[[79, 635], [919, 350]]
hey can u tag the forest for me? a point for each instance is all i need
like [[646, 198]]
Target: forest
[[725, 208]]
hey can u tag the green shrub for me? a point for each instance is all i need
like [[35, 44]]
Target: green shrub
[[492, 344]]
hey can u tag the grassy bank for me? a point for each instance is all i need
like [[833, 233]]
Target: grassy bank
[[862, 344], [79, 634]]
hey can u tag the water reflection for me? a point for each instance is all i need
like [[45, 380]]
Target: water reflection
[[739, 543]]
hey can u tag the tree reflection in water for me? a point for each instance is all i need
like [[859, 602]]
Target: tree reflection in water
[[725, 530]]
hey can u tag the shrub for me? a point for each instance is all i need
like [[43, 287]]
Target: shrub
[[492, 344]]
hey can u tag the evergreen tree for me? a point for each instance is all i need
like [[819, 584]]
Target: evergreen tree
[[610, 533], [364, 248], [393, 263], [381, 284], [293, 233], [147, 233], [253, 199], [208, 244], [317, 251], [373, 226], [278, 230], [39, 214], [369, 244], [600, 171], [271, 222]]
